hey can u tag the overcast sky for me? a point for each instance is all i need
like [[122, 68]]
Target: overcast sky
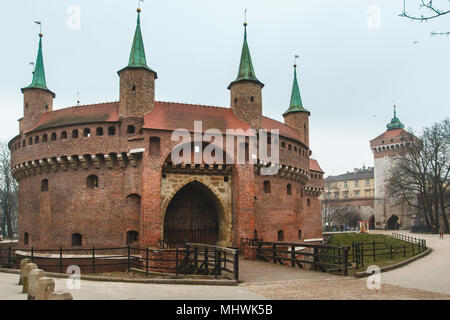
[[356, 57]]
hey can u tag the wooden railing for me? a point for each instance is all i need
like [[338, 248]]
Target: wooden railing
[[318, 257], [192, 259]]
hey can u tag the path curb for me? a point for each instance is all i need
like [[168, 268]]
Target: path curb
[[397, 265], [150, 281]]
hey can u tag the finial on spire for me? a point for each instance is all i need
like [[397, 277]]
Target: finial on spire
[[295, 60], [78, 98], [245, 17]]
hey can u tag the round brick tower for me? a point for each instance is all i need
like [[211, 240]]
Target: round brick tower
[[37, 98], [246, 90]]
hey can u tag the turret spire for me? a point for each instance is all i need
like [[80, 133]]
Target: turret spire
[[38, 81], [395, 122], [296, 104], [246, 71], [137, 55]]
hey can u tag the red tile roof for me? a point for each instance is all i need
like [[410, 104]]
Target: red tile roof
[[165, 116], [389, 134], [103, 112], [314, 165], [171, 116]]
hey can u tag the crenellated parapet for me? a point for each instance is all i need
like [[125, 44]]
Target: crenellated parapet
[[76, 162], [284, 171], [313, 191]]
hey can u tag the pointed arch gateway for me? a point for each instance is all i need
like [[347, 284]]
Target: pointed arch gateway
[[192, 215]]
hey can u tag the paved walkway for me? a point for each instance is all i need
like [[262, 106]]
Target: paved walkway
[[431, 273], [282, 282], [94, 290]]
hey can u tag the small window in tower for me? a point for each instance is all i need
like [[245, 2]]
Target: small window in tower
[[111, 131], [26, 238], [308, 202], [132, 236], [46, 107], [36, 139], [299, 234], [64, 135], [75, 134], [280, 236], [53, 136], [86, 132], [283, 144], [133, 88], [92, 182], [44, 185], [76, 240], [24, 143], [301, 192], [289, 189], [235, 100], [131, 129], [225, 179], [252, 99], [99, 131], [295, 149], [290, 147], [30, 141], [26, 105], [267, 187]]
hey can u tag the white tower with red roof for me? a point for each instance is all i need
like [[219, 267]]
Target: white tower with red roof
[[389, 213]]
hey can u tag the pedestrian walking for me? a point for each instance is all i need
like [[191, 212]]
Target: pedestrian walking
[[441, 232]]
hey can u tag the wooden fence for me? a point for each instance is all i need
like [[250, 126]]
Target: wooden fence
[[361, 253], [193, 259], [318, 257]]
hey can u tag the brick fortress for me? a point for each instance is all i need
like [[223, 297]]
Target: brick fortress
[[102, 174]]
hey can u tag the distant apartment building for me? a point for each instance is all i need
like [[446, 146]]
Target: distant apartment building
[[354, 190]]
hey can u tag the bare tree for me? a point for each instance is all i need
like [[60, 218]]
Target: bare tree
[[9, 192], [432, 11], [420, 175]]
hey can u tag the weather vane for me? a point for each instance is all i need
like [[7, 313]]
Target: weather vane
[[40, 26], [78, 98], [245, 15], [139, 3], [295, 59]]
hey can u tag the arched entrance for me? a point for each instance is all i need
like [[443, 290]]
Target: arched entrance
[[192, 216], [372, 222], [392, 223]]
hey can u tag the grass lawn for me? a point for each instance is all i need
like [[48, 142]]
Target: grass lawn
[[401, 250]]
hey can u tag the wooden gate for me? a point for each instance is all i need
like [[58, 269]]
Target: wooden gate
[[191, 216]]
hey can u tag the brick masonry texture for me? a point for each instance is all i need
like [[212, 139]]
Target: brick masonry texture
[[135, 180]]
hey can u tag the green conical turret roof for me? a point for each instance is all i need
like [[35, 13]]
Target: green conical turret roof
[[296, 104], [137, 55], [246, 71], [38, 81], [395, 122]]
